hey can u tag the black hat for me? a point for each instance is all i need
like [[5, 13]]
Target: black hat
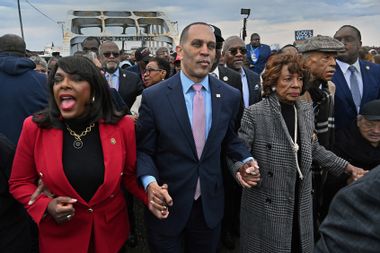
[[371, 110], [143, 54], [12, 43], [218, 33]]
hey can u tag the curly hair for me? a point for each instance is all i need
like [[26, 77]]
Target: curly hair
[[274, 66]]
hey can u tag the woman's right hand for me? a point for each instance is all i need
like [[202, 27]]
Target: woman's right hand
[[61, 209]]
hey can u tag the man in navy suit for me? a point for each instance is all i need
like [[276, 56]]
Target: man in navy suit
[[183, 179], [365, 74], [257, 54]]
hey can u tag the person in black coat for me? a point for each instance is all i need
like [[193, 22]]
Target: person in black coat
[[352, 224], [359, 144], [15, 233]]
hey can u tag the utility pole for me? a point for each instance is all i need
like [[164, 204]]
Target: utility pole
[[19, 15], [61, 23]]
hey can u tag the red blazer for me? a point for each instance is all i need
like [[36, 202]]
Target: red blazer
[[39, 155]]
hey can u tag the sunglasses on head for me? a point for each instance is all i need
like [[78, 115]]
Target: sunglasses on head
[[234, 50], [108, 54]]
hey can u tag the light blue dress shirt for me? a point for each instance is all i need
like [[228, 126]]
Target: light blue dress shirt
[[115, 78]]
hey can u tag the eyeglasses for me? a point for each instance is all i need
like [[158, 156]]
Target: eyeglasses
[[108, 54], [234, 50], [147, 71]]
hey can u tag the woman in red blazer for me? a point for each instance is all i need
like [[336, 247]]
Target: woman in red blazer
[[84, 152]]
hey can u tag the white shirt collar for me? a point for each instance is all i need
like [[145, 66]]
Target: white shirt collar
[[344, 66]]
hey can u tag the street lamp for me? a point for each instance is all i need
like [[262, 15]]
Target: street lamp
[[245, 12]]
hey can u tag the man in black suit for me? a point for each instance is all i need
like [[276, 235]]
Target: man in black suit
[[249, 85], [233, 54], [127, 83]]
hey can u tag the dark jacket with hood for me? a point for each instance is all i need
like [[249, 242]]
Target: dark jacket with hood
[[23, 91]]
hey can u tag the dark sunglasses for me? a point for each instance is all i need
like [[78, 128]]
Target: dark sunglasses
[[108, 54], [150, 70], [234, 50]]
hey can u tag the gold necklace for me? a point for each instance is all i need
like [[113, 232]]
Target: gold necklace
[[78, 143]]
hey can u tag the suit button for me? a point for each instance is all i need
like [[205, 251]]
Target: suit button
[[268, 200], [270, 174], [112, 196], [90, 210], [269, 146], [122, 173]]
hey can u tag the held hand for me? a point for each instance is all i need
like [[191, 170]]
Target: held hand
[[39, 190], [159, 200], [62, 209], [355, 173], [134, 117], [248, 174]]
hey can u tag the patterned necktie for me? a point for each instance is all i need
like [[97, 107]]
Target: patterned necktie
[[199, 127], [354, 84]]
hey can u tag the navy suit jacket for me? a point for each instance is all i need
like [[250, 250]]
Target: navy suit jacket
[[264, 54], [345, 110], [166, 150], [130, 86], [352, 224]]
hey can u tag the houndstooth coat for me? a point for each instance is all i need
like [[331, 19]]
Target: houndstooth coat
[[267, 209]]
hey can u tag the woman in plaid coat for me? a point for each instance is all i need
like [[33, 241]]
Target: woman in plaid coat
[[276, 215]]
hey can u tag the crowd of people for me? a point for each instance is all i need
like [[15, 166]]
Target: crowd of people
[[218, 140]]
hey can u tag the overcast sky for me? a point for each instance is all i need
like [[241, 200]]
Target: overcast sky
[[274, 20]]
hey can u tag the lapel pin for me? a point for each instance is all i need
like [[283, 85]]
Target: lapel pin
[[217, 95], [113, 141], [225, 78], [367, 67]]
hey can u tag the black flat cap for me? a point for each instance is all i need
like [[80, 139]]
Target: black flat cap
[[371, 110]]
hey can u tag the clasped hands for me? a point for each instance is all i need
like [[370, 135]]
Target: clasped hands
[[159, 200], [248, 174], [60, 208], [354, 172]]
